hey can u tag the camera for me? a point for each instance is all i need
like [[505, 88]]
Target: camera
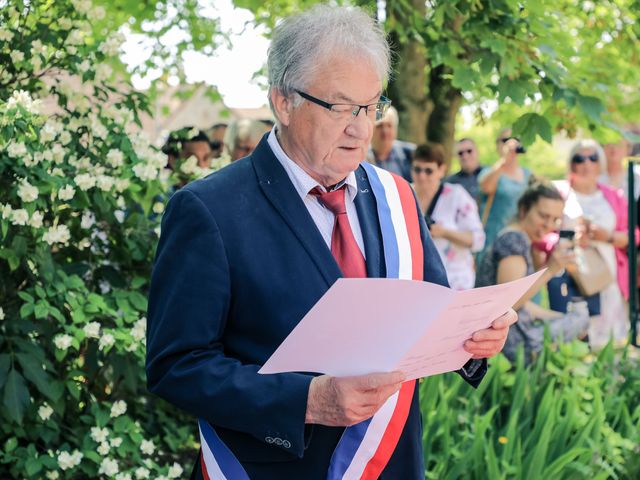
[[568, 234]]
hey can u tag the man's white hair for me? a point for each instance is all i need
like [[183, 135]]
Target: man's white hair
[[304, 43]]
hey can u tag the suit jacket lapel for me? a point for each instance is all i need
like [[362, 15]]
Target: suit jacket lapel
[[281, 193], [367, 210]]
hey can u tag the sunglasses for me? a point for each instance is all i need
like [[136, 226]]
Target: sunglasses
[[577, 158], [468, 151], [418, 170]]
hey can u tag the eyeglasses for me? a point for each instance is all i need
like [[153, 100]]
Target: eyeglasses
[[468, 151], [417, 170], [347, 111], [577, 158]]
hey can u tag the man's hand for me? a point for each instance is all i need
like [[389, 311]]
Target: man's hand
[[488, 342], [341, 402]]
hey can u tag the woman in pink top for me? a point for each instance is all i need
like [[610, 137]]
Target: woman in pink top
[[598, 213], [451, 214]]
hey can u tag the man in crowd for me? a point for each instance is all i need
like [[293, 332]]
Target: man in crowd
[[247, 251], [387, 151], [242, 136], [216, 138], [469, 166]]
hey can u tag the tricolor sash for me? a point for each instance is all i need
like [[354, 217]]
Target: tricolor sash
[[365, 448]]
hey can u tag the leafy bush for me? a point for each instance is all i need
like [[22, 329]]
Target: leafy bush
[[79, 221], [566, 416]]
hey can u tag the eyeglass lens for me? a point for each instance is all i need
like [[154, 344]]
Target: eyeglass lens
[[577, 158], [467, 151], [417, 170]]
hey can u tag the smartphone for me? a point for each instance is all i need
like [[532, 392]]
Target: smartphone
[[568, 234]]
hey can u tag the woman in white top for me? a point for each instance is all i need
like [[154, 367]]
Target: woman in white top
[[598, 214], [450, 213]]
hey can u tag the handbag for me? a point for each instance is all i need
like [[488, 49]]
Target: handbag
[[591, 275], [562, 289]]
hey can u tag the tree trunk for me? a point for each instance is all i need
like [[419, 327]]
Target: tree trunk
[[408, 87], [446, 99]]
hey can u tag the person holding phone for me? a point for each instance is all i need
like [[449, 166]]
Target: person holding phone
[[510, 257], [500, 187]]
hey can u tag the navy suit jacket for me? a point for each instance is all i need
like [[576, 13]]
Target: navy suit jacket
[[239, 263]]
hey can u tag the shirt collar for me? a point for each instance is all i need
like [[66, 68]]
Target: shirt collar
[[302, 181]]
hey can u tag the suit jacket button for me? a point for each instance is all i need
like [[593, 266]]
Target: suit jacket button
[[268, 439], [286, 444], [277, 441]]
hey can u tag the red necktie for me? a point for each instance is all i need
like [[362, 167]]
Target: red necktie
[[343, 244]]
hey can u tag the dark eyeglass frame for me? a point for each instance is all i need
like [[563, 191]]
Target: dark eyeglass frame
[[381, 106], [468, 151], [426, 170], [579, 158]]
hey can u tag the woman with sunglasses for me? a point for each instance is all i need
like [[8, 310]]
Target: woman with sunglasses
[[511, 257], [450, 213], [598, 214]]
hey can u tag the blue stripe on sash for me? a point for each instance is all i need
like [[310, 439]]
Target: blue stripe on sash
[[346, 449], [229, 465]]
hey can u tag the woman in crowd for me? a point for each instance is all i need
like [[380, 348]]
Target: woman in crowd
[[500, 187], [598, 213], [242, 137], [539, 212], [451, 214]]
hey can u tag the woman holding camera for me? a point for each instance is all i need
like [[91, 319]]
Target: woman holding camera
[[451, 215], [539, 212], [500, 187], [598, 214]]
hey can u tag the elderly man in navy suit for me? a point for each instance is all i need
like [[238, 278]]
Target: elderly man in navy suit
[[247, 251]]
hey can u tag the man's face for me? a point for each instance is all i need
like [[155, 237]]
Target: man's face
[[385, 133], [242, 149], [468, 155], [200, 150], [616, 152], [326, 145]]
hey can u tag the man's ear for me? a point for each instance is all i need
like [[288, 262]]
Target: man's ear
[[282, 106]]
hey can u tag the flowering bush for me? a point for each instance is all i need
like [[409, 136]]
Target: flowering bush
[[81, 191]]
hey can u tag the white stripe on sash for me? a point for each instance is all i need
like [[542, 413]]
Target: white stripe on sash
[[213, 470]]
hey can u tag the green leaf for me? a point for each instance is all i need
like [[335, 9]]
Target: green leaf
[[33, 466], [592, 106], [16, 396], [26, 297], [5, 363], [33, 371], [26, 310], [139, 301], [531, 124]]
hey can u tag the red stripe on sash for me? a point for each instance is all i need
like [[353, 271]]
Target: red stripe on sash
[[205, 474], [389, 440], [413, 226]]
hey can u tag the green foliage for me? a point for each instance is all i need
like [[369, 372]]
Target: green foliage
[[80, 194], [568, 415]]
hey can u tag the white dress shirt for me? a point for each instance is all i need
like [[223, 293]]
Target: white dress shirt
[[304, 183]]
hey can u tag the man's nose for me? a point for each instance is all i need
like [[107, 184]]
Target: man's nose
[[360, 126]]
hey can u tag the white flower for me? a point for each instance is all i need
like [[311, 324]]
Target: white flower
[[106, 341], [5, 35], [92, 330], [23, 98], [139, 329], [123, 476], [85, 181], [103, 72], [6, 211], [147, 447], [115, 158], [111, 45], [16, 150], [45, 412], [37, 48], [105, 182], [145, 171], [103, 448], [17, 56], [57, 152], [1, 314], [36, 62], [158, 207], [65, 23], [190, 165], [98, 434], [88, 220], [122, 184], [120, 215], [75, 37], [82, 6], [105, 286], [84, 66], [36, 219], [65, 137], [118, 408], [115, 442], [66, 193], [142, 473], [27, 192], [62, 342], [48, 132], [19, 216], [174, 471], [99, 13], [108, 467], [52, 475], [57, 234], [56, 172], [67, 460]]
